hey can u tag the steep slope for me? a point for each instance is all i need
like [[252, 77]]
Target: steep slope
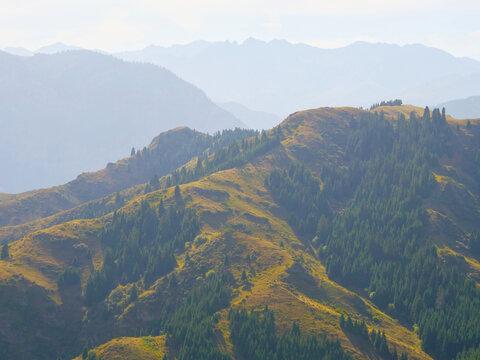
[[247, 241], [287, 77], [77, 110]]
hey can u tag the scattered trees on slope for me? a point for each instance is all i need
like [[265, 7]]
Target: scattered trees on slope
[[69, 276], [255, 337], [378, 243], [141, 245], [376, 338], [5, 254], [236, 154], [396, 102]]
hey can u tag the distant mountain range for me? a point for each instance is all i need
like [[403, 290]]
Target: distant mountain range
[[48, 49], [259, 120], [75, 111], [280, 77], [113, 105], [467, 108]]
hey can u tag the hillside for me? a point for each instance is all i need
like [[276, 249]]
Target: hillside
[[265, 222], [165, 153], [159, 158], [54, 105], [286, 77]]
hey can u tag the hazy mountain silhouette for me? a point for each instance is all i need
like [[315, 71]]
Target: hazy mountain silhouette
[[75, 111], [56, 48], [18, 50], [467, 108], [259, 120], [47, 49], [280, 77]]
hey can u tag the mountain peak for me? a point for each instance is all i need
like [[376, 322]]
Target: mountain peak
[[56, 48]]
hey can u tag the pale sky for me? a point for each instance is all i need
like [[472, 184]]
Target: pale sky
[[116, 25]]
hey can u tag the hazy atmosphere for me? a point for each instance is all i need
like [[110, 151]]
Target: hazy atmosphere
[[133, 24], [270, 58], [239, 180]]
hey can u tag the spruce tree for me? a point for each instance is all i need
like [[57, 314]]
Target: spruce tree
[[85, 352], [226, 261], [178, 194], [133, 294], [426, 114], [244, 276], [172, 283], [5, 252], [295, 329]]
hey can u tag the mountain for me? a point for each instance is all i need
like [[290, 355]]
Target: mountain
[[19, 51], [340, 223], [47, 49], [77, 110], [259, 120], [165, 153], [280, 77], [56, 48], [467, 108]]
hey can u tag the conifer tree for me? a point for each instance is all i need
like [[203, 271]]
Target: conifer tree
[[178, 194], [85, 352], [226, 261], [172, 282], [5, 252], [244, 276], [426, 114], [132, 294], [295, 329]]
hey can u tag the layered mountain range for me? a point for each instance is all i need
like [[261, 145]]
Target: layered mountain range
[[75, 111], [340, 233], [281, 77]]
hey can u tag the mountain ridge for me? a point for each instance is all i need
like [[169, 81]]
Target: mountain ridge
[[362, 71], [110, 104], [246, 229], [467, 108]]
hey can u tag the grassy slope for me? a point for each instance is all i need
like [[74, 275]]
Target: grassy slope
[[132, 348], [5, 197], [16, 232], [239, 218], [289, 279], [169, 152]]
